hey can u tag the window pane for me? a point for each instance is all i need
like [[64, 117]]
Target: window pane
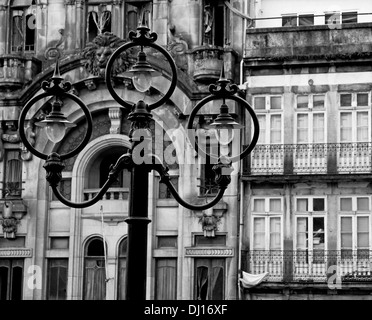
[[276, 124], [289, 21], [362, 99], [346, 204], [362, 204], [167, 241], [275, 205], [318, 204], [262, 124], [57, 279], [275, 103], [59, 243], [318, 101], [302, 233], [302, 101], [302, 205], [259, 233], [362, 125], [306, 20], [166, 279], [318, 233], [363, 224], [346, 127], [349, 17], [275, 234], [345, 100], [259, 205], [346, 224], [259, 103], [318, 128], [302, 128]]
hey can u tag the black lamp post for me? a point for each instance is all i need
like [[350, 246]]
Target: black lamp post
[[140, 116]]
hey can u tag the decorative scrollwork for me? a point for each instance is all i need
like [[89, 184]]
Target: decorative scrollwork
[[223, 88], [142, 35]]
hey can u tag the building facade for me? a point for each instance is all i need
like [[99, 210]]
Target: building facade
[[50, 251], [307, 193]]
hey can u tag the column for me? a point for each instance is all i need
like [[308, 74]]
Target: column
[[117, 26], [3, 28], [70, 33], [80, 25]]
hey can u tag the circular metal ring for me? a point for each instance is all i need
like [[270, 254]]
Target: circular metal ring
[[44, 156], [127, 46], [246, 105]]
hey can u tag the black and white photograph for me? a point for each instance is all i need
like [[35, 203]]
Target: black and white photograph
[[210, 153]]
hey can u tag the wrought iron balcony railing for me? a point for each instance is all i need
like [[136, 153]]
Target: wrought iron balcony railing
[[319, 158], [309, 266]]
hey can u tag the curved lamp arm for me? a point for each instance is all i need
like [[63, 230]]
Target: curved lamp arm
[[222, 179], [54, 167]]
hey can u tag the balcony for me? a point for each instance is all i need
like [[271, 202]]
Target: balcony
[[331, 158], [309, 266], [16, 71], [321, 41], [205, 63]]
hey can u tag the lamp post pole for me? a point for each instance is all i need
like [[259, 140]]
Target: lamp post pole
[[139, 160]]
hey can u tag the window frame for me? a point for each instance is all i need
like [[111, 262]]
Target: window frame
[[26, 12], [354, 214], [267, 215], [310, 112], [267, 113], [354, 110], [310, 214]]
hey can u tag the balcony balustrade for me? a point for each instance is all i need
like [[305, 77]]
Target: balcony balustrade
[[331, 158], [16, 71], [309, 266], [111, 194]]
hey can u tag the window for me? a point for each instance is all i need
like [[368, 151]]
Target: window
[[310, 229], [269, 113], [59, 242], [122, 269], [310, 121], [167, 242], [218, 240], [94, 270], [98, 20], [164, 192], [23, 26], [166, 279], [13, 174], [355, 117], [209, 279], [267, 224], [11, 279], [355, 234], [57, 279], [350, 17], [215, 19], [306, 20], [289, 20]]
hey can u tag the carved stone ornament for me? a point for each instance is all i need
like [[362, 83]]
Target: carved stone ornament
[[178, 47], [209, 224], [10, 216], [97, 53]]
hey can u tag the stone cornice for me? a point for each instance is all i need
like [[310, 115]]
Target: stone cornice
[[209, 252], [15, 253]]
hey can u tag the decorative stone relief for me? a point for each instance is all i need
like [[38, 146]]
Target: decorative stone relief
[[177, 47], [97, 53], [211, 218], [11, 214], [115, 118]]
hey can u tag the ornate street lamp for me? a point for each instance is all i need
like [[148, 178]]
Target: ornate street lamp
[[140, 116]]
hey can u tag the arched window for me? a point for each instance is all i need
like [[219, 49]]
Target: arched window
[[94, 270], [122, 268], [23, 26], [98, 20]]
